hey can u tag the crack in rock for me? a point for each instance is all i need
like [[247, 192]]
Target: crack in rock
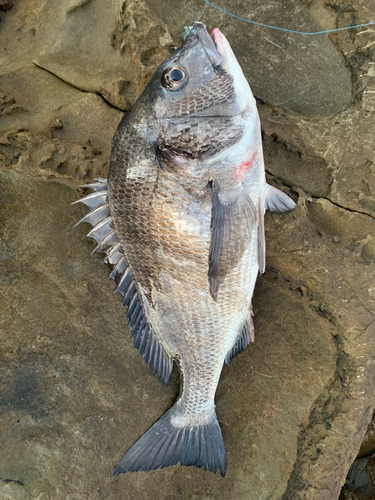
[[78, 88], [346, 208], [8, 480]]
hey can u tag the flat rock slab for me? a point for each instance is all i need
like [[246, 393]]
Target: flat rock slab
[[74, 393], [122, 45], [107, 48], [45, 104]]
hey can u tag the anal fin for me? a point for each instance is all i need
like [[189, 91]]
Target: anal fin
[[146, 342], [243, 340]]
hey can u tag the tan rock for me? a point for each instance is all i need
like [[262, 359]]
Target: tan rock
[[368, 251], [73, 368], [74, 394], [55, 129], [346, 227], [368, 445], [122, 46]]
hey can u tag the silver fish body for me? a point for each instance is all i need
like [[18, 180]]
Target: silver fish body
[[187, 193]]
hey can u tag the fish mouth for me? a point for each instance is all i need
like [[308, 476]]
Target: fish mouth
[[217, 37], [212, 43]]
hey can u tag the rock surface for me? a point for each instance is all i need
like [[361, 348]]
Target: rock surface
[[360, 483], [74, 393]]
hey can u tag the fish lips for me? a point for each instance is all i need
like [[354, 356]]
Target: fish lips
[[211, 44]]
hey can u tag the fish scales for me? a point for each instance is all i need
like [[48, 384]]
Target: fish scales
[[198, 335], [186, 192], [131, 191]]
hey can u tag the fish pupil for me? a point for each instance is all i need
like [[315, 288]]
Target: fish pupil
[[176, 75]]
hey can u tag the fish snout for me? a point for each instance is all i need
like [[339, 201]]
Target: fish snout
[[210, 46]]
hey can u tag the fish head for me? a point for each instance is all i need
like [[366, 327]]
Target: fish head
[[201, 78], [200, 83]]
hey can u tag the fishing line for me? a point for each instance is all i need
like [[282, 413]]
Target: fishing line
[[203, 11], [284, 29]]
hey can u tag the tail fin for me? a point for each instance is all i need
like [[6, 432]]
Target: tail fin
[[164, 445]]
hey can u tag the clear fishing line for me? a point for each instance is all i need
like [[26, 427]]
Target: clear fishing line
[[284, 29]]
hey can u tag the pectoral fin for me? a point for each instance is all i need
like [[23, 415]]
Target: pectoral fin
[[277, 201], [232, 220]]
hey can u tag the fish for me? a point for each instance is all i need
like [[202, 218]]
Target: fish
[[181, 221]]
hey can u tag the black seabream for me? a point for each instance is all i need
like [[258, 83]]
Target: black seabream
[[180, 219]]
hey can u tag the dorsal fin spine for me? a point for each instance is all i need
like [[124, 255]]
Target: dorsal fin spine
[[104, 233]]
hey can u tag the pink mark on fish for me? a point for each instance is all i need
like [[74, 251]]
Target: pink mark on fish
[[240, 171]]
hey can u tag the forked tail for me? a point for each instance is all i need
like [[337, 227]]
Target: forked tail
[[164, 445]]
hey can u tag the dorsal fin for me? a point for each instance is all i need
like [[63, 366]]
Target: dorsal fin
[[105, 235]]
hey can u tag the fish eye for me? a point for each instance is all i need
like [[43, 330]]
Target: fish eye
[[174, 78], [176, 75]]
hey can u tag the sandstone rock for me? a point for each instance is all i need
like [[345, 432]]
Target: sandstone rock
[[333, 424], [74, 394], [10, 489], [5, 5], [122, 46], [360, 484], [110, 49], [80, 393], [34, 91], [346, 227], [353, 185], [368, 445], [309, 172], [53, 129], [368, 251]]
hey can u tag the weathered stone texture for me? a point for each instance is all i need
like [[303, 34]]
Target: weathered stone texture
[[74, 393]]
